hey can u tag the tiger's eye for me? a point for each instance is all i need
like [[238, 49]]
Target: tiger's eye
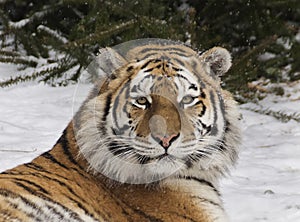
[[187, 99], [142, 101]]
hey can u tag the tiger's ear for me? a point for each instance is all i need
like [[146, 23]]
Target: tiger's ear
[[217, 60], [109, 60]]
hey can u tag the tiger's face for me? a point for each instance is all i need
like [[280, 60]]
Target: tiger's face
[[162, 114], [156, 119]]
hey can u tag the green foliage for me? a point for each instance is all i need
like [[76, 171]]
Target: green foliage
[[69, 33], [59, 38], [250, 28]]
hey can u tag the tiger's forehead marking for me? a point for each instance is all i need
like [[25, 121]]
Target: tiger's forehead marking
[[163, 77], [160, 67]]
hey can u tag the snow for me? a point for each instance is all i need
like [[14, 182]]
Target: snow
[[54, 33], [264, 186], [24, 22]]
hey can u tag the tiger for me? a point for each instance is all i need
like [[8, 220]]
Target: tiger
[[150, 143]]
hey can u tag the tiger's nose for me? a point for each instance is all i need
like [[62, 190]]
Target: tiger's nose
[[166, 140]]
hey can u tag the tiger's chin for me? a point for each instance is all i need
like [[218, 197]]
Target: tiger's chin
[[125, 171], [165, 166]]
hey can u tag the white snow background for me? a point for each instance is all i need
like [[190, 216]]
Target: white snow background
[[264, 186]]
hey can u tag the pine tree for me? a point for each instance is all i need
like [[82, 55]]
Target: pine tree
[[251, 29], [58, 39]]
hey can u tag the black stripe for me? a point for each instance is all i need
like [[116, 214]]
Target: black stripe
[[201, 181], [124, 109], [179, 54], [178, 61], [120, 131], [116, 102], [10, 194], [165, 49], [52, 210], [86, 212], [129, 68], [185, 217], [176, 69], [202, 95], [204, 126], [147, 63], [66, 149], [183, 77], [214, 130], [116, 149], [27, 188], [147, 216], [63, 141], [39, 169], [222, 146], [193, 86], [61, 183], [203, 108], [48, 156], [34, 166], [142, 159], [222, 105], [149, 70], [107, 107], [40, 188], [134, 89], [208, 201]]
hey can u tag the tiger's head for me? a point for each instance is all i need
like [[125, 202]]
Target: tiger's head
[[161, 116]]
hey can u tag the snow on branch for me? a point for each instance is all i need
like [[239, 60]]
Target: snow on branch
[[101, 35], [53, 33], [24, 22]]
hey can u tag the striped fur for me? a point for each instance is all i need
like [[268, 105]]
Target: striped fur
[[149, 144]]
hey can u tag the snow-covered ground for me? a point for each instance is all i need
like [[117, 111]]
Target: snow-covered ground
[[264, 186]]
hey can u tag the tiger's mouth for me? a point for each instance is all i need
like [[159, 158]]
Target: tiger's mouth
[[163, 158], [166, 157]]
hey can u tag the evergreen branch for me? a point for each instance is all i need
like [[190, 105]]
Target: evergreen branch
[[280, 115], [146, 19], [9, 53], [147, 24], [101, 35], [76, 75], [4, 18], [28, 77], [36, 15], [59, 71], [16, 60], [53, 33], [65, 76], [254, 51]]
